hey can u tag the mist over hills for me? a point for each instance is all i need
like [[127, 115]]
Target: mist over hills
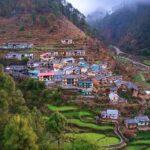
[[128, 27]]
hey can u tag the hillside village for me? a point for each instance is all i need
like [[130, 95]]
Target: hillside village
[[61, 88], [89, 81]]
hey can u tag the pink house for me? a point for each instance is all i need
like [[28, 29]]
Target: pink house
[[46, 76]]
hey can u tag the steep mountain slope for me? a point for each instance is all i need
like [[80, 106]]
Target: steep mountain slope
[[39, 34], [128, 28], [44, 23]]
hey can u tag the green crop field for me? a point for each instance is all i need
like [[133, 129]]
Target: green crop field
[[77, 114], [83, 123], [94, 138], [62, 108], [79, 123], [140, 142], [147, 62]]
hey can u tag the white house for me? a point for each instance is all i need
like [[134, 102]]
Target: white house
[[67, 41], [142, 120], [113, 97], [110, 114], [68, 60], [18, 56], [147, 92]]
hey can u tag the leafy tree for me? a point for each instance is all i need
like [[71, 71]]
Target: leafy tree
[[43, 20], [56, 126], [18, 134], [39, 127], [12, 99], [33, 17], [32, 90], [21, 27]]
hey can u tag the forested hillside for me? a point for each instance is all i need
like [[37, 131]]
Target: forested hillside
[[10, 8], [128, 28]]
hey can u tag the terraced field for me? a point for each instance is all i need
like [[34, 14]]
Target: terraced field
[[94, 138], [82, 121], [140, 142]]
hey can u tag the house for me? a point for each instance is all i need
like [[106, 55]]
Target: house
[[114, 98], [33, 64], [110, 114], [85, 83], [46, 76], [49, 56], [126, 85], [95, 68], [70, 80], [67, 41], [86, 86], [68, 60], [18, 56], [142, 120], [130, 123], [75, 53], [34, 73], [58, 75], [17, 70], [71, 70], [147, 92], [16, 45]]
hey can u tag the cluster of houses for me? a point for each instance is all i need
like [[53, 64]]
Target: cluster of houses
[[131, 124], [16, 45], [18, 56], [68, 72], [61, 53]]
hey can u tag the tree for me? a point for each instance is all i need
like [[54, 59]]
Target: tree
[[56, 126], [39, 127], [19, 135], [11, 98], [44, 20]]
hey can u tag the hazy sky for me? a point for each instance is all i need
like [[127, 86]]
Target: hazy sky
[[88, 6]]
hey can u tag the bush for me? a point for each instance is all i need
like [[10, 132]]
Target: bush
[[21, 27], [44, 20]]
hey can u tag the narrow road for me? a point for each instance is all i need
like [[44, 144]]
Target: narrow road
[[118, 52]]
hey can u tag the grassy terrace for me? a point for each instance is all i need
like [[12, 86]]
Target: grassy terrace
[[140, 142], [82, 122], [147, 62], [89, 125], [77, 114], [94, 138], [62, 108]]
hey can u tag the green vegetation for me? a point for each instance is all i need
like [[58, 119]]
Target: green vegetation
[[56, 126], [36, 94], [44, 20], [21, 27], [141, 141], [94, 138], [78, 114], [79, 144], [38, 7], [147, 62], [62, 108], [139, 78], [18, 134], [129, 29], [89, 125]]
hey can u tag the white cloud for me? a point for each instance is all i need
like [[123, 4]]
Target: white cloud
[[88, 6]]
